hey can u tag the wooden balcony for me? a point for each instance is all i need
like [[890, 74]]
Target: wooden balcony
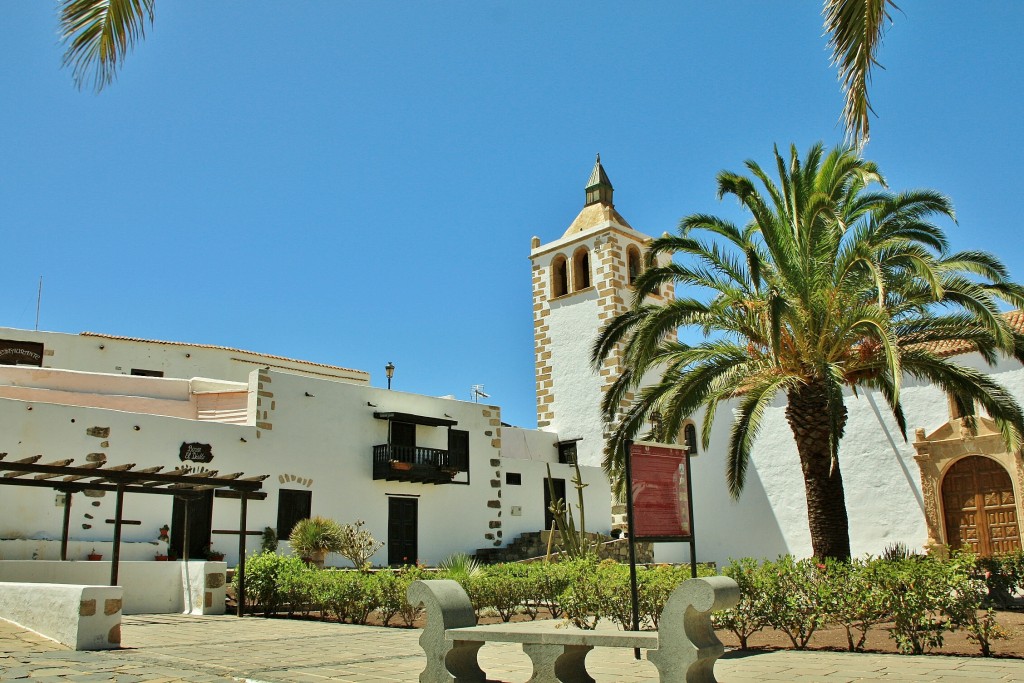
[[392, 462]]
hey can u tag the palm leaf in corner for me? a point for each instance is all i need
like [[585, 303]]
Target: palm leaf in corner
[[98, 35], [855, 29]]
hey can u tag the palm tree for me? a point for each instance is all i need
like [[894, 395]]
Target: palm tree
[[100, 33], [832, 284]]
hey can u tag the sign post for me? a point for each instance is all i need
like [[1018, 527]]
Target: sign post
[[659, 503]]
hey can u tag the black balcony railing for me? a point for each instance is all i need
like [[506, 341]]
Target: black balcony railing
[[416, 463]]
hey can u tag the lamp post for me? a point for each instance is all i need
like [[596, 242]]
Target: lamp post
[[389, 370]]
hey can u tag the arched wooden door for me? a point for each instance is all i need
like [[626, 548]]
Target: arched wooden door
[[979, 506]]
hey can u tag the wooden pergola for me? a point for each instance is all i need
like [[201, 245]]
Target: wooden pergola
[[181, 482]]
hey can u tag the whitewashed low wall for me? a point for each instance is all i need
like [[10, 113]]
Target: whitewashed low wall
[[149, 587], [81, 617]]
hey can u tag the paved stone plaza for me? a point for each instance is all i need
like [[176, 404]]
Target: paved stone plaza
[[218, 648]]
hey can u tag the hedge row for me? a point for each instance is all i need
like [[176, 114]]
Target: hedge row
[[922, 597], [583, 591]]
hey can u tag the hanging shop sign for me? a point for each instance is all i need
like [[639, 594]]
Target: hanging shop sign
[[13, 352], [195, 452]]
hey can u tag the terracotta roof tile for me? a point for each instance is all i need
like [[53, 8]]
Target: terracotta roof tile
[[954, 347]]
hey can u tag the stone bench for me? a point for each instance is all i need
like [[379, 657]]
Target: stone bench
[[684, 648], [81, 617]]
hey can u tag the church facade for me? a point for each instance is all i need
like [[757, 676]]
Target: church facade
[[950, 483]]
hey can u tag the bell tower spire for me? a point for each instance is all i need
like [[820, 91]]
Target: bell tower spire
[[599, 188]]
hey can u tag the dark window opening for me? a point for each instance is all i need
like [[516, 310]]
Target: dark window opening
[[147, 373], [513, 478], [292, 505], [633, 263], [581, 270], [690, 439], [458, 449], [567, 453], [559, 277], [559, 486], [403, 434]]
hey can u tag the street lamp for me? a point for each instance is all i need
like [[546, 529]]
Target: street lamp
[[389, 370]]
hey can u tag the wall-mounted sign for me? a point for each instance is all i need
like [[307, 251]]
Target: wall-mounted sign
[[195, 452], [661, 492], [20, 353]]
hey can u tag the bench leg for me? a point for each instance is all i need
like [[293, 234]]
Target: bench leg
[[558, 663], [461, 662]]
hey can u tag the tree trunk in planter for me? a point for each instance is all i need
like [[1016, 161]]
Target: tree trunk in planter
[[317, 558], [807, 412]]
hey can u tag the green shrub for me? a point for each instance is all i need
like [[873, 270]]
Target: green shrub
[[296, 587], [501, 589], [261, 579], [748, 616], [918, 592], [349, 596], [408, 612], [794, 597], [854, 598]]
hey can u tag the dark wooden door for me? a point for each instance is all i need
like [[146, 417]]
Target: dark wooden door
[[403, 523], [200, 520], [979, 507], [559, 486]]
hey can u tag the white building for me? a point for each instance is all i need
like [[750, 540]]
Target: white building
[[430, 476]]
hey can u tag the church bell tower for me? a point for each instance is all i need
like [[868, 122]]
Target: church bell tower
[[580, 282]]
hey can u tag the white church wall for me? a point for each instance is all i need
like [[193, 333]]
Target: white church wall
[[880, 477], [576, 386]]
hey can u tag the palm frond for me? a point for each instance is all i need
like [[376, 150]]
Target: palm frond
[[855, 29], [99, 34]]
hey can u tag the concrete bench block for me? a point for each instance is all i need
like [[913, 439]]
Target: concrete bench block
[[81, 617], [447, 606]]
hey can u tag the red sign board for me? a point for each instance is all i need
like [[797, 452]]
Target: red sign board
[[661, 492]]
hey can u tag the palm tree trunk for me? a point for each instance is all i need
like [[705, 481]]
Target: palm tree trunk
[[808, 415]]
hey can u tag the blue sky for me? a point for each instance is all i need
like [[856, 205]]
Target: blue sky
[[358, 182]]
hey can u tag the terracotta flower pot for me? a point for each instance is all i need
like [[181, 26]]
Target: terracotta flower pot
[[95, 557]]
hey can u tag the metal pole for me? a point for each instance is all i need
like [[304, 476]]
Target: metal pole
[[116, 559], [689, 503], [64, 529], [240, 565], [627, 448]]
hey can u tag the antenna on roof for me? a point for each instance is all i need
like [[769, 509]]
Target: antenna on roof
[[477, 392], [39, 300]]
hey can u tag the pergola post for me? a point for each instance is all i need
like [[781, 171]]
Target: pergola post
[[184, 533], [64, 528], [118, 510], [240, 565]]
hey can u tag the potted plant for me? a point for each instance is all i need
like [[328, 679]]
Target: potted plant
[[95, 556], [214, 555], [401, 465], [160, 557], [313, 538]]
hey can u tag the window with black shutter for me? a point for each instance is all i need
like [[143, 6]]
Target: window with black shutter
[[458, 449], [292, 506], [567, 453]]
